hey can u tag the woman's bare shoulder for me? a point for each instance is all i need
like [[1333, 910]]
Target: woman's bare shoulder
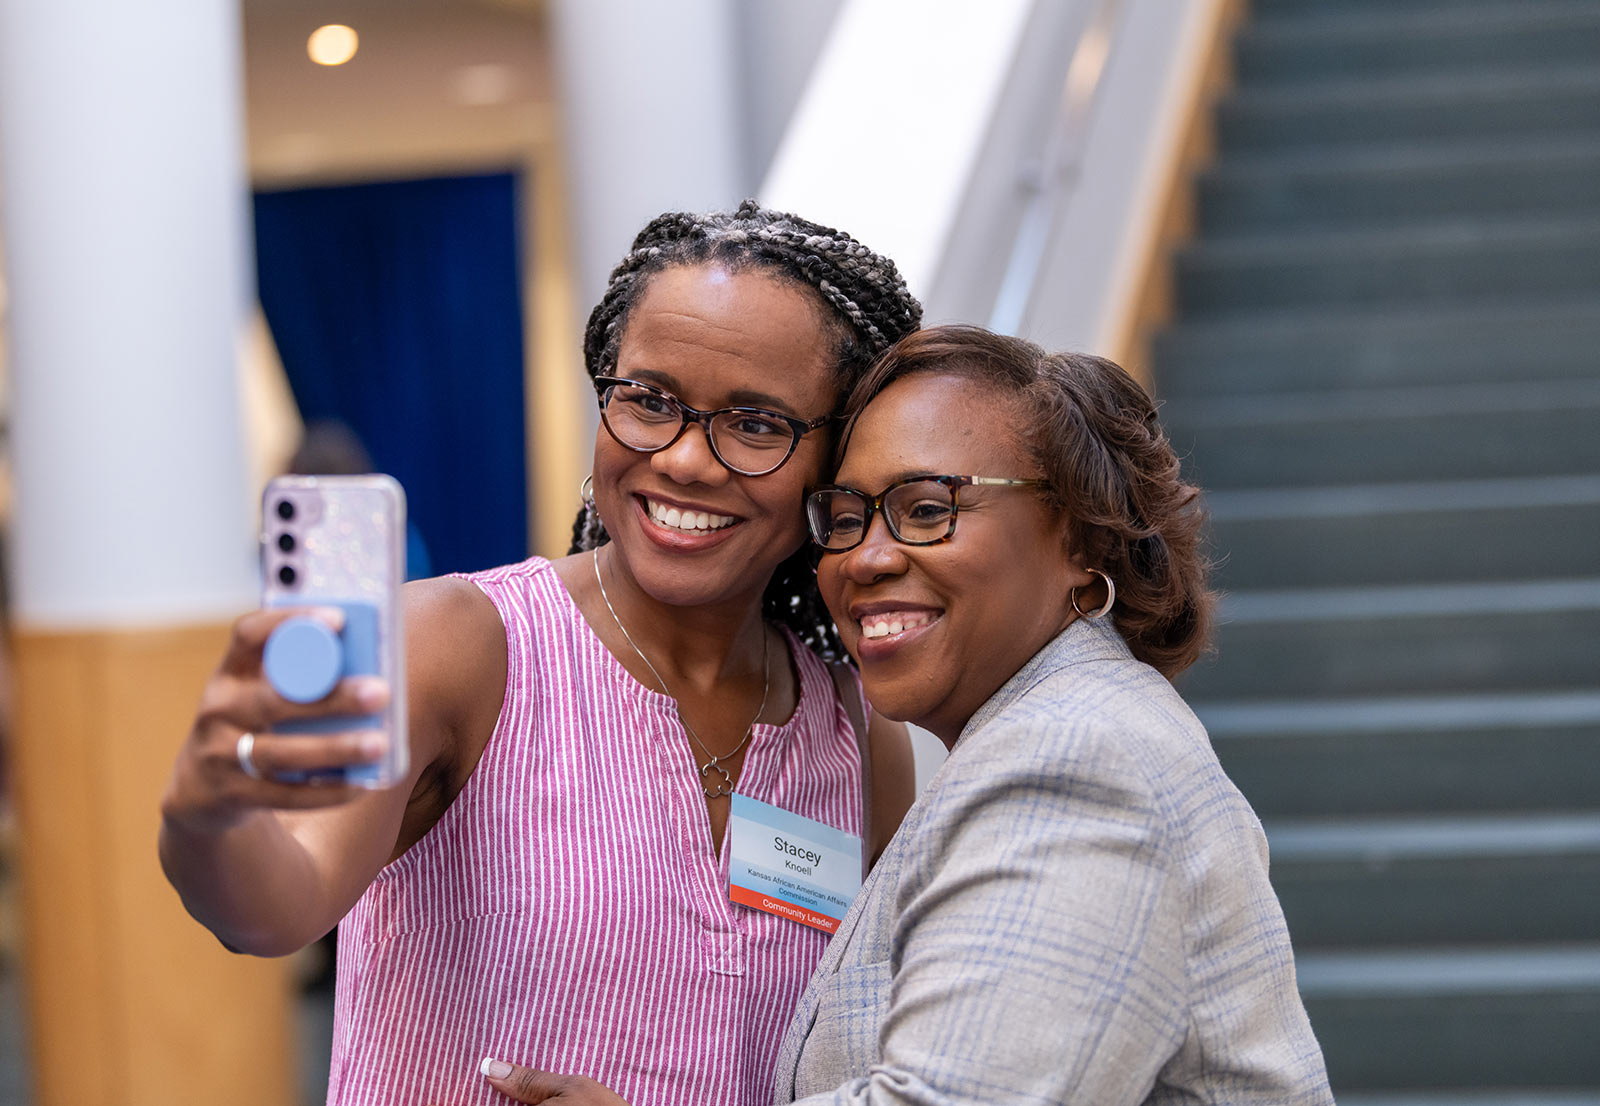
[[454, 608], [456, 660], [894, 779]]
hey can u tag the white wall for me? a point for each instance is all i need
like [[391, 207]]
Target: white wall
[[891, 124], [649, 96], [674, 106], [779, 42]]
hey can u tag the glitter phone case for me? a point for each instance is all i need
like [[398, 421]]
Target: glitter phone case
[[341, 541]]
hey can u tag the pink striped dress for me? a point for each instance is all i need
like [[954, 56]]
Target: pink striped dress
[[567, 911]]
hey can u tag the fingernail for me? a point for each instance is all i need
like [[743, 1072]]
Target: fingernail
[[371, 693], [494, 1069], [372, 746], [331, 617]]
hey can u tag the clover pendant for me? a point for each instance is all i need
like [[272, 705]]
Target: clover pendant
[[725, 787]]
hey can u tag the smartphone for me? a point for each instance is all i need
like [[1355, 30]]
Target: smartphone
[[339, 541]]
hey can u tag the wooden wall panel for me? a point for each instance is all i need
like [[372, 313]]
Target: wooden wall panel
[[129, 1000]]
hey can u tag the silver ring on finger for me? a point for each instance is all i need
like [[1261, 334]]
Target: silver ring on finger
[[242, 750]]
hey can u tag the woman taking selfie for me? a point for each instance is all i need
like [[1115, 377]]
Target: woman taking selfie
[[550, 884], [1077, 909]]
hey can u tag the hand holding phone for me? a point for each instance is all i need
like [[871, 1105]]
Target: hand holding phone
[[337, 541]]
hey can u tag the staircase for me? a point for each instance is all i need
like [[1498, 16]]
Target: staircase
[[1386, 373]]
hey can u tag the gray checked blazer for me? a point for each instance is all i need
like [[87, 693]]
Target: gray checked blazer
[[1076, 911]]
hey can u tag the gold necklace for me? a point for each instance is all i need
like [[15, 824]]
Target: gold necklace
[[724, 786]]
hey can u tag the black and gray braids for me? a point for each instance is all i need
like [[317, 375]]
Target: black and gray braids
[[871, 310]]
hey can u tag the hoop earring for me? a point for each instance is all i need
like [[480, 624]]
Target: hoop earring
[[586, 490], [1105, 608]]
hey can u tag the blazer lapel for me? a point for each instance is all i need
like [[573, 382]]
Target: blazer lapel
[[805, 1013]]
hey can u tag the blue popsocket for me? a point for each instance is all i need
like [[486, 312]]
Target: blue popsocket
[[303, 660]]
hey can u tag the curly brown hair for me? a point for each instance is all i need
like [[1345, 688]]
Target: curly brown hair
[[1108, 468]]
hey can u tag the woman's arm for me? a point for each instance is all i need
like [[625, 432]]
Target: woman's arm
[[894, 781], [269, 867]]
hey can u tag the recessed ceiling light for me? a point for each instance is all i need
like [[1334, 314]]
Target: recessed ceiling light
[[333, 44]]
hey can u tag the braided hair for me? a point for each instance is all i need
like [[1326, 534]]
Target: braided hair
[[870, 308]]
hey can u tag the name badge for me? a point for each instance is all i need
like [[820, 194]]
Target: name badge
[[791, 866]]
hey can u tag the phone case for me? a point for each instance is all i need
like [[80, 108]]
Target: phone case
[[338, 541]]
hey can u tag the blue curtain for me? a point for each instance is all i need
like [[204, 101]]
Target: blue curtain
[[396, 308]]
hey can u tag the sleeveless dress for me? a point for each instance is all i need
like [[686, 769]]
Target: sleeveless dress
[[568, 912]]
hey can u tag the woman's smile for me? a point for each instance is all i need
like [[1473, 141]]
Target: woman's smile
[[885, 626], [894, 623], [688, 519]]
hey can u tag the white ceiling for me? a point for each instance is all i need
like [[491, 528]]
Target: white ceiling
[[436, 85]]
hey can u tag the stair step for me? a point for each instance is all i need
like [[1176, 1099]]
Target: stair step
[[1421, 533], [1323, 42], [1439, 879], [1337, 605], [1397, 973], [1440, 754], [1381, 641], [1351, 437], [1318, 350], [1392, 1020], [1489, 106], [1273, 9], [1246, 195], [1428, 265], [1478, 1096], [14, 1074], [1380, 844]]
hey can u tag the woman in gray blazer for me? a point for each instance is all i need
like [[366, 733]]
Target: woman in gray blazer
[[1077, 909]]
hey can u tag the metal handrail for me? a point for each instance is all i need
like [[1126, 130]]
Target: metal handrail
[[1054, 176]]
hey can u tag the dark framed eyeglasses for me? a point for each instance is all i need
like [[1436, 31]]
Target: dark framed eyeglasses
[[920, 510], [750, 441]]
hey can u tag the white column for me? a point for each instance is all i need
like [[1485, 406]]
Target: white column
[[122, 193], [123, 196], [651, 119]]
